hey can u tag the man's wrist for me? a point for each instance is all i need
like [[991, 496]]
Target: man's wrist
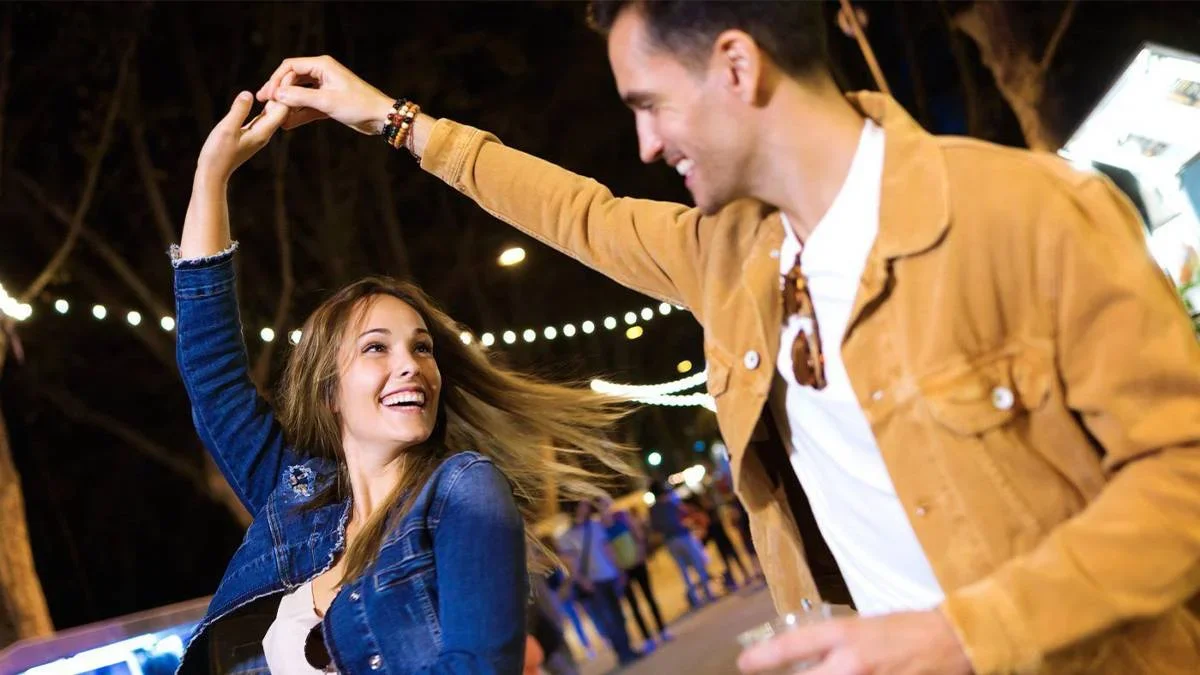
[[418, 137], [382, 108]]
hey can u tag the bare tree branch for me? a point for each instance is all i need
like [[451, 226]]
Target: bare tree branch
[[1064, 22], [145, 165], [920, 96], [93, 174], [262, 364], [383, 186], [966, 75], [157, 343], [332, 232], [110, 256], [206, 479], [126, 274], [81, 412], [865, 47], [1020, 79], [201, 99], [223, 494]]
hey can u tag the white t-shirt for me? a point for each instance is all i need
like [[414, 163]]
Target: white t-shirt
[[284, 642], [826, 434]]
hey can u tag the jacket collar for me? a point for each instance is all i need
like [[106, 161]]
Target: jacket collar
[[914, 208]]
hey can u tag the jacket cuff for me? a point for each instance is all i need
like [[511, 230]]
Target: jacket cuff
[[179, 262], [447, 150], [201, 277], [990, 630]]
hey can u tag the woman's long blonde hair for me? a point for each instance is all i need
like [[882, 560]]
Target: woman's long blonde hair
[[525, 425]]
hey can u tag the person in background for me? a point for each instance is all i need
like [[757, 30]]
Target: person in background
[[718, 535], [742, 522], [668, 517], [546, 628], [597, 578], [566, 599], [627, 536]]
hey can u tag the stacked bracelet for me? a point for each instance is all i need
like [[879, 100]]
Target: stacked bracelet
[[400, 122]]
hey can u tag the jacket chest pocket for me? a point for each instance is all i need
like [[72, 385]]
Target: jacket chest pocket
[[981, 413], [718, 367], [971, 399], [405, 588], [409, 570]]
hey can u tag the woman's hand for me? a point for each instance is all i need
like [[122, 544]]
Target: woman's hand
[[233, 140], [229, 145], [316, 87]]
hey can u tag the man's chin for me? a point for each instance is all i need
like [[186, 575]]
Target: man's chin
[[709, 207], [710, 204]]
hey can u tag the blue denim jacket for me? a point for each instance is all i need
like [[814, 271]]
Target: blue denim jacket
[[447, 593]]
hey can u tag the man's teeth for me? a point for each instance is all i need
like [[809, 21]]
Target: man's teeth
[[684, 167], [409, 397]]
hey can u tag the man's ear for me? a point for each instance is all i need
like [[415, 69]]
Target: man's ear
[[739, 60]]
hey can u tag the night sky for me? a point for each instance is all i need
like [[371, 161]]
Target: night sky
[[99, 423]]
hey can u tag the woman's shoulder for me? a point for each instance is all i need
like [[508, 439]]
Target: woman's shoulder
[[466, 464], [467, 477]]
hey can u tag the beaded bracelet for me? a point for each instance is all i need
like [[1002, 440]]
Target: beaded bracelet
[[389, 130], [400, 122]]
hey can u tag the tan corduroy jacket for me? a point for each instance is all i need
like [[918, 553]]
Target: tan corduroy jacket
[[1029, 374]]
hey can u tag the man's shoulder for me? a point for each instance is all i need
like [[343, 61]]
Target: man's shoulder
[[970, 159], [1018, 192]]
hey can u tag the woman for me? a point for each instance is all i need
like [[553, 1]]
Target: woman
[[392, 490], [627, 536]]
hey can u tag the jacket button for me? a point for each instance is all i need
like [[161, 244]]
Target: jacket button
[[354, 596], [877, 395], [750, 360], [921, 511], [1002, 398], [375, 662], [775, 254]]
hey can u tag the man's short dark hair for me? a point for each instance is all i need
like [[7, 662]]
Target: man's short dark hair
[[791, 32]]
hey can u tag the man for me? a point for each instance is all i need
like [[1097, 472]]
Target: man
[[974, 403]]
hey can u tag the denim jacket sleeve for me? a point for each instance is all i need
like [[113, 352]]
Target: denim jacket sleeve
[[479, 546], [236, 424]]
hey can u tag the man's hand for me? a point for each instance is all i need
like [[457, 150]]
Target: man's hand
[[912, 643], [317, 87]]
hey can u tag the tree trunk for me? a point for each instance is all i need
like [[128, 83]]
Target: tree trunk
[[1020, 75], [23, 610]]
